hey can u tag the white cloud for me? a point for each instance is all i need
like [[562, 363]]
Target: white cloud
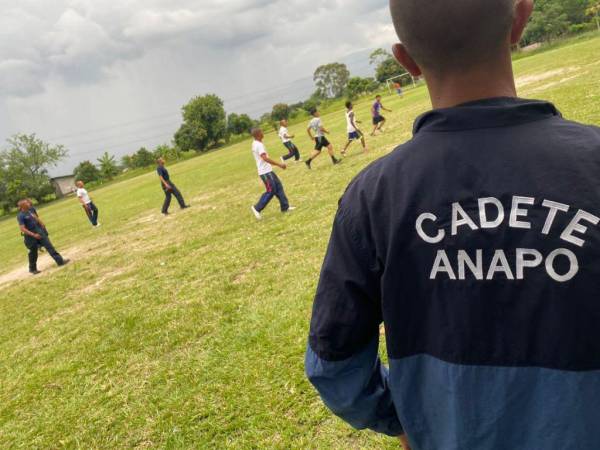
[[68, 66]]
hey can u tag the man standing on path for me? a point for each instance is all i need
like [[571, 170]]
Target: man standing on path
[[286, 138], [35, 236], [168, 187], [477, 244], [264, 164], [317, 133], [87, 203], [354, 133], [378, 119]]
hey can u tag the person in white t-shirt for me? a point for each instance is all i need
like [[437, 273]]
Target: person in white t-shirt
[[286, 138], [272, 183], [354, 132], [87, 203], [317, 133]]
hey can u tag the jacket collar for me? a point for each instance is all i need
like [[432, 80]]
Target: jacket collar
[[488, 113]]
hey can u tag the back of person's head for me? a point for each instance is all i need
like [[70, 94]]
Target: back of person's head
[[23, 205], [313, 112], [160, 161], [453, 35], [348, 105], [256, 132]]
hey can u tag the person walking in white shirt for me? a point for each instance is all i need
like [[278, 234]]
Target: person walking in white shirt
[[354, 132], [286, 138], [272, 183], [88, 205]]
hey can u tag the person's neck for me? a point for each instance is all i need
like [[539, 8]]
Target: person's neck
[[492, 81]]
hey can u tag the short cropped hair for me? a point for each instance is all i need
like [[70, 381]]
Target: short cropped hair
[[348, 104], [446, 35], [254, 131]]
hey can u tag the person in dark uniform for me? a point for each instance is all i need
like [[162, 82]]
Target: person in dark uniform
[[168, 187], [33, 211], [477, 244], [35, 236]]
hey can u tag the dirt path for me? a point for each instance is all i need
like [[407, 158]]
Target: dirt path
[[45, 264]]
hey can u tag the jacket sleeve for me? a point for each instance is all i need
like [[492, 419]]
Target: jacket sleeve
[[342, 360]]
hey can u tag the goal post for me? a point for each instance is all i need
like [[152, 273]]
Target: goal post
[[400, 78]]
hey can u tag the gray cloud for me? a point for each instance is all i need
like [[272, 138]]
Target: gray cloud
[[69, 66]]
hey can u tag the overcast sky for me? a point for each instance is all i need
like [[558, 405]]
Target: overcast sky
[[113, 74]]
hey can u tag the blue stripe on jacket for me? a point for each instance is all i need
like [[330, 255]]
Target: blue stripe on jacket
[[356, 389]]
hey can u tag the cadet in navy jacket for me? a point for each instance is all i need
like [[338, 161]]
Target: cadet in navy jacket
[[477, 244]]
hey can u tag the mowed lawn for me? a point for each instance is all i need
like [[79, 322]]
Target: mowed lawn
[[189, 331]]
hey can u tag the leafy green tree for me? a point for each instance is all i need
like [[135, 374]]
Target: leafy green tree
[[127, 162], [331, 79], [358, 86], [25, 168], [552, 19], [204, 124], [170, 153], [190, 137], [280, 111], [313, 102], [594, 12], [4, 199], [389, 69], [239, 124], [87, 172], [108, 166], [143, 158]]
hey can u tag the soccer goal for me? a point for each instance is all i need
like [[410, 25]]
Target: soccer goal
[[405, 80]]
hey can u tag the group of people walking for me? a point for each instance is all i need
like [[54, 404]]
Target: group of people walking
[[36, 235], [317, 133]]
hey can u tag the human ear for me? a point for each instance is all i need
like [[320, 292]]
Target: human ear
[[403, 57], [523, 10]]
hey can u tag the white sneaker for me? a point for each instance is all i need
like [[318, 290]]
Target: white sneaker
[[291, 208], [98, 225], [256, 213]]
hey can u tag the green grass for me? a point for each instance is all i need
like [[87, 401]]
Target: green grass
[[189, 331]]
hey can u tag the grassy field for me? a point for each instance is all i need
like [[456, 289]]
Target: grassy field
[[189, 331]]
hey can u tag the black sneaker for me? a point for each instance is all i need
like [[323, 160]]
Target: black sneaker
[[65, 262], [336, 161], [34, 272], [187, 206], [307, 164]]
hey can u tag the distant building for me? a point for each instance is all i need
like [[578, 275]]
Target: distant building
[[63, 186]]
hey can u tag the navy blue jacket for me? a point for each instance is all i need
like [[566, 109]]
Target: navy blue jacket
[[477, 244]]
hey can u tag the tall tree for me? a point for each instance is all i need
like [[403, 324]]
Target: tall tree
[[204, 123], [143, 158], [108, 166], [239, 124], [191, 137], [331, 79], [87, 172], [280, 111], [594, 12], [358, 86], [26, 162]]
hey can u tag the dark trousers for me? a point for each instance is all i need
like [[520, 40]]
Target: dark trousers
[[168, 194], [274, 189], [293, 151], [92, 213], [34, 244]]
